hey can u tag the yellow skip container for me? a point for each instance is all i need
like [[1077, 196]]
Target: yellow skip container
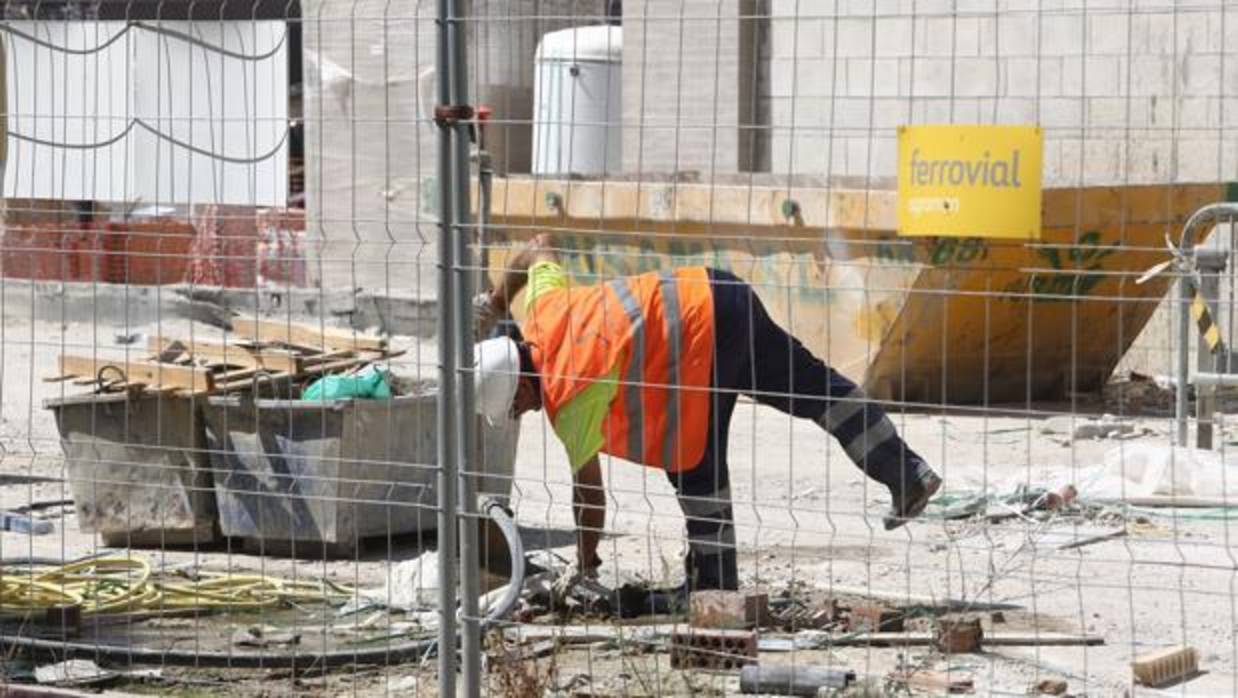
[[931, 320]]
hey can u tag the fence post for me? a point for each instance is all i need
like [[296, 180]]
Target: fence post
[[447, 465], [470, 586]]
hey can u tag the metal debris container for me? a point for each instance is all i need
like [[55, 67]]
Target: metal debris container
[[925, 319], [138, 467], [314, 478]]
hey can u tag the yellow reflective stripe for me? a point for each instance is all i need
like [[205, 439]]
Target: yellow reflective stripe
[[634, 376], [705, 506], [714, 544], [872, 437], [670, 304], [842, 409]]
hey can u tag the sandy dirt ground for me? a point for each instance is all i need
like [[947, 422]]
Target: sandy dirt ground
[[808, 521]]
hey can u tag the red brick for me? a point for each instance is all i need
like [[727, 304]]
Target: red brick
[[225, 249], [148, 252], [697, 648], [959, 636], [49, 250]]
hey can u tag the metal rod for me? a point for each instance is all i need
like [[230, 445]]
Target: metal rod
[[447, 465], [485, 184], [1186, 246], [1184, 345], [1207, 262], [466, 451], [1216, 380]]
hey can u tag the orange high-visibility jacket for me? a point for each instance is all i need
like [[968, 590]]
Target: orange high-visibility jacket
[[658, 329]]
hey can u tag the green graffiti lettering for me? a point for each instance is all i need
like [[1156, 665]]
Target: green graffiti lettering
[[970, 249], [943, 251], [1080, 268], [893, 251]]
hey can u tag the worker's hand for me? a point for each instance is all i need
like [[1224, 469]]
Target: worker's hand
[[485, 317]]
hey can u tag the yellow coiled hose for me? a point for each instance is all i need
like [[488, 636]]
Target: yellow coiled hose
[[125, 584]]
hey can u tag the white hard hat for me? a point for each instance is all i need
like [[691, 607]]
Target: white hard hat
[[497, 365]]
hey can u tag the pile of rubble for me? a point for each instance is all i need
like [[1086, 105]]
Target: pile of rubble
[[752, 632]]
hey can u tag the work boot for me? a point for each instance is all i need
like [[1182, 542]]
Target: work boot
[[910, 503]]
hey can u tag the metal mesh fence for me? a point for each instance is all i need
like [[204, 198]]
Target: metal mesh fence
[[336, 335]]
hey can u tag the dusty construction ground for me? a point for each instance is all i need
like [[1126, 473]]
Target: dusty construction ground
[[807, 518]]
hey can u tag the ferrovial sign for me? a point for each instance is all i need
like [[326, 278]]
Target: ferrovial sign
[[969, 181]]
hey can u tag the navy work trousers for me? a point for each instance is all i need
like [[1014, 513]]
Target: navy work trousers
[[754, 356]]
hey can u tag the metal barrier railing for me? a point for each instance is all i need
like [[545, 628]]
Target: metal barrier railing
[[1190, 291]]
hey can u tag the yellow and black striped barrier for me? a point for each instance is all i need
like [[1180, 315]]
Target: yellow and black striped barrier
[[1204, 320]]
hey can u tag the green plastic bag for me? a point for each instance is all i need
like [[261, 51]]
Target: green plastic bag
[[370, 384]]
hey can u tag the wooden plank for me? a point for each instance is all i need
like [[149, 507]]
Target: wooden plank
[[938, 682], [231, 353], [335, 366], [189, 378], [994, 640], [904, 599], [317, 338], [244, 383], [371, 355], [1172, 501], [1079, 543], [318, 358]]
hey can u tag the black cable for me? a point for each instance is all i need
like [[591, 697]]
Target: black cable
[[127, 654]]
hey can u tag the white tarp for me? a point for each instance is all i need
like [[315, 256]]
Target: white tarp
[[1145, 470], [156, 113], [1130, 471]]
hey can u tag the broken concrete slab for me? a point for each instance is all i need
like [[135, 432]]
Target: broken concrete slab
[[74, 672], [413, 584]]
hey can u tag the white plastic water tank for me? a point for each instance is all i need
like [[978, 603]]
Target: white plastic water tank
[[577, 92]]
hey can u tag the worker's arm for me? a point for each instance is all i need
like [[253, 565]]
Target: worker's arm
[[517, 275], [589, 509]]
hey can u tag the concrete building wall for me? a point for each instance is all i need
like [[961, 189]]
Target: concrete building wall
[[1127, 90], [371, 148], [681, 85]]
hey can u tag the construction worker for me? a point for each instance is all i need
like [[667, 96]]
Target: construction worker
[[647, 368]]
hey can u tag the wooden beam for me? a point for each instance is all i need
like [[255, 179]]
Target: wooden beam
[[242, 384], [330, 366], [320, 339], [904, 599], [994, 640], [231, 353], [191, 378]]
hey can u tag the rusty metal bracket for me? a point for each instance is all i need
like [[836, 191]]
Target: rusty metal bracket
[[446, 115]]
